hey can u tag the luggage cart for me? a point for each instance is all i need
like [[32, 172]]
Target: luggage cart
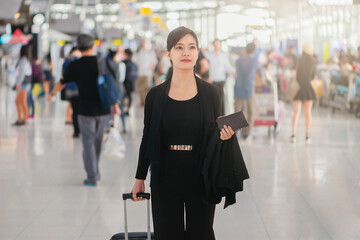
[[135, 235], [266, 108], [339, 95], [356, 101]]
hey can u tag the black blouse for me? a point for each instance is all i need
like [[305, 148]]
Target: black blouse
[[181, 122]]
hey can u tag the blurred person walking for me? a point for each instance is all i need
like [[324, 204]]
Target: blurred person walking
[[291, 55], [202, 66], [358, 55], [131, 74], [92, 117], [118, 70], [146, 61], [163, 67], [305, 73], [246, 69], [37, 78], [179, 138], [23, 85], [220, 67], [48, 68], [72, 93]]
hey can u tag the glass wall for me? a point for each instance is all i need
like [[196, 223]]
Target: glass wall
[[328, 28]]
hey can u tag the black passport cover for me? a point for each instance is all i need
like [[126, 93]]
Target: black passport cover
[[236, 121]]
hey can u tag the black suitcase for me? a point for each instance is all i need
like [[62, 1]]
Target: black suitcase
[[135, 235]]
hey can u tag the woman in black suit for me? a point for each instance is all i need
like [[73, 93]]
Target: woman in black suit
[[180, 116]]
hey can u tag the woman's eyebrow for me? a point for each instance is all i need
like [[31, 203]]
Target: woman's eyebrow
[[184, 44]]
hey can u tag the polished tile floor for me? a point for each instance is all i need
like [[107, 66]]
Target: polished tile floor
[[295, 192]]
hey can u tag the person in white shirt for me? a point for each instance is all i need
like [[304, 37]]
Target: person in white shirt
[[164, 66], [220, 66], [146, 61]]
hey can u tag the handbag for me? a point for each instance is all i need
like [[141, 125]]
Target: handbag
[[318, 87], [114, 146], [63, 95]]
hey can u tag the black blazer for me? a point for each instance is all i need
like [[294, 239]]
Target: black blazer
[[210, 109]]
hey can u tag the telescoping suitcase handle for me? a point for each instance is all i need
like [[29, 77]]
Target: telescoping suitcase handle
[[130, 196]]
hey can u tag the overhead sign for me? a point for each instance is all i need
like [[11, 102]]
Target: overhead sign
[[145, 11], [117, 42], [60, 42]]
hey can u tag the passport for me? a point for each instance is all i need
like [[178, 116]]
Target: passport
[[236, 121]]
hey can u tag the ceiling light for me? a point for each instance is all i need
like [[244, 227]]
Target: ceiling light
[[99, 18], [113, 18], [99, 8], [89, 24], [331, 2], [65, 16], [61, 8], [119, 25], [172, 15], [45, 27], [114, 8], [270, 22], [257, 12], [107, 25], [210, 4], [260, 4], [58, 15], [127, 27], [155, 6], [176, 6], [232, 8]]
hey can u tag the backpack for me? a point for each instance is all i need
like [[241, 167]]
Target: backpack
[[131, 71], [106, 86], [37, 73]]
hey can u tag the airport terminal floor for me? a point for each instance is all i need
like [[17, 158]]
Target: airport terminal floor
[[295, 191]]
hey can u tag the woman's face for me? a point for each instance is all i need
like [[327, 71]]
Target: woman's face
[[185, 53]]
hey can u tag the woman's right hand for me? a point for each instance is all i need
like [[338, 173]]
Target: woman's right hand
[[139, 187]]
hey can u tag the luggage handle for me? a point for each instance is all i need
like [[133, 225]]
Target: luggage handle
[[129, 196]]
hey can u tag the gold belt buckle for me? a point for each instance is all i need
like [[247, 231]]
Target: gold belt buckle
[[181, 147]]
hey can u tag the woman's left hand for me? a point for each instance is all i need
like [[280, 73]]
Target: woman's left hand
[[226, 133]]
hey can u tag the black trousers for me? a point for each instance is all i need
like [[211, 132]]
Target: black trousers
[[75, 106], [179, 193], [221, 85], [129, 88]]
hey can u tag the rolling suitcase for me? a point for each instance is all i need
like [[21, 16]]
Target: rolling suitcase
[[135, 235]]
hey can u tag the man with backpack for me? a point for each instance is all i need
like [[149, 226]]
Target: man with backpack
[[92, 116], [130, 76]]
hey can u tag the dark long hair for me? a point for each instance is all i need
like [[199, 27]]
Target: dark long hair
[[177, 34], [173, 38], [24, 51]]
